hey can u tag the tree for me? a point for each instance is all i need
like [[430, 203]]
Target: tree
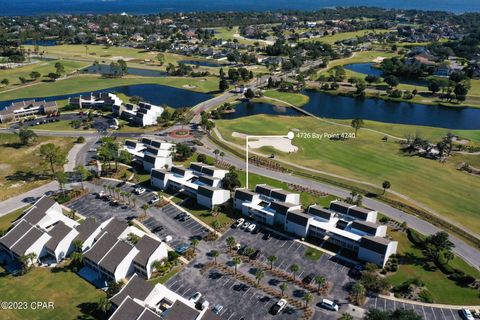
[[5, 82], [437, 243], [231, 242], [356, 124], [216, 152], [160, 58], [272, 260], [320, 281], [183, 152], [35, 75], [236, 261], [201, 158], [386, 185], [195, 243], [26, 136], [104, 304], [27, 261], [375, 314], [62, 179], [433, 86], [346, 316], [284, 287], [215, 225], [133, 238], [392, 81], [357, 293], [214, 254], [307, 297], [231, 181], [82, 173], [222, 85], [249, 94], [113, 288], [53, 76], [144, 207], [294, 268], [259, 275]]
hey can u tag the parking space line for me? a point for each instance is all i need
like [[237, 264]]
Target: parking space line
[[433, 311], [290, 245], [188, 290], [223, 285], [252, 297], [452, 313], [233, 284], [385, 304], [424, 314], [300, 274], [231, 316], [246, 292]]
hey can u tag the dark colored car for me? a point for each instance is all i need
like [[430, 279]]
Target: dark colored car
[[309, 278], [255, 255], [266, 236]]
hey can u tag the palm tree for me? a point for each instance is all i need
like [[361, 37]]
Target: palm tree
[[236, 261], [215, 225], [77, 245], [134, 201], [157, 264], [448, 255], [214, 254], [231, 242], [249, 251], [195, 243], [307, 297], [386, 185], [284, 287], [103, 304], [294, 268], [358, 292], [320, 281], [77, 258], [259, 275], [144, 207], [272, 260]]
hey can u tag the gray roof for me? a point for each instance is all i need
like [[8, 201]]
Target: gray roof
[[15, 233], [376, 244], [264, 189], [27, 241], [129, 310], [321, 212], [38, 210], [146, 245], [207, 191], [86, 229], [178, 170], [359, 212], [244, 194], [113, 258], [159, 173], [116, 227], [149, 315], [180, 311], [298, 217], [209, 315], [101, 247], [57, 233], [280, 194], [208, 180], [365, 226], [136, 288], [340, 206], [282, 207]]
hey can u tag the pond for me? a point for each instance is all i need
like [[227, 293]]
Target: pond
[[368, 68], [202, 63], [152, 93], [42, 43], [339, 107], [106, 69]]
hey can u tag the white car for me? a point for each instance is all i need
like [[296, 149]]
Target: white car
[[168, 238], [251, 227], [466, 314], [238, 223], [278, 307], [245, 225], [330, 305], [217, 309], [154, 200], [195, 297], [140, 190]]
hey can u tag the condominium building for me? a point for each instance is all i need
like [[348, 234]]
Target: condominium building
[[95, 100], [144, 114], [22, 109], [151, 153]]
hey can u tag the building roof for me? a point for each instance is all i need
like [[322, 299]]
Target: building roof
[[27, 241], [340, 206], [149, 315], [207, 180], [320, 212], [359, 212], [159, 173], [146, 246], [57, 233], [264, 189], [282, 207], [86, 229], [115, 227], [209, 315], [128, 310], [38, 210], [376, 244], [207, 191], [244, 194], [180, 311], [136, 288], [280, 194], [116, 255], [101, 247], [365, 226], [298, 217], [178, 170], [15, 233]]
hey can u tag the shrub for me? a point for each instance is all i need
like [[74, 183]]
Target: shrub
[[425, 296], [416, 238], [80, 140], [443, 265], [211, 236]]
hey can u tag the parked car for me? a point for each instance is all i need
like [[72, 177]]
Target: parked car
[[309, 278], [182, 248], [114, 203], [251, 227], [180, 215], [238, 223], [328, 304], [140, 190], [278, 307], [184, 217], [217, 309], [266, 236], [168, 238], [202, 304], [154, 200], [245, 225], [256, 230], [241, 251], [101, 194], [255, 255], [466, 314], [195, 297]]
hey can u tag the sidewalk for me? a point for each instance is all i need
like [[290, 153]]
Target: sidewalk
[[433, 305], [26, 198]]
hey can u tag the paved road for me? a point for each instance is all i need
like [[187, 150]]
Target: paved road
[[26, 198]]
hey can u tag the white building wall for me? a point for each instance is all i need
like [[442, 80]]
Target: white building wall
[[125, 267], [297, 229], [39, 246], [293, 198], [375, 257], [64, 247], [158, 254]]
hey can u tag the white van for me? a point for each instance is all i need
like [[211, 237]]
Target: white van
[[330, 305]]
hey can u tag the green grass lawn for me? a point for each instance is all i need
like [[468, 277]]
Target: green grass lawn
[[44, 67], [6, 220], [442, 289], [94, 82], [368, 158], [21, 168], [73, 297], [331, 39], [166, 277], [313, 254], [297, 99], [62, 125]]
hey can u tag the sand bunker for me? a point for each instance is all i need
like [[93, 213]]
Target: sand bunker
[[281, 144], [189, 86], [378, 59]]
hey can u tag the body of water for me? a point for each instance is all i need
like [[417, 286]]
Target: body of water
[[152, 93], [202, 63], [43, 43], [340, 107], [33, 7], [369, 68], [105, 69]]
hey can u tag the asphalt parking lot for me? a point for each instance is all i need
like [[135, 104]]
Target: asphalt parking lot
[[427, 312], [288, 252], [239, 301]]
